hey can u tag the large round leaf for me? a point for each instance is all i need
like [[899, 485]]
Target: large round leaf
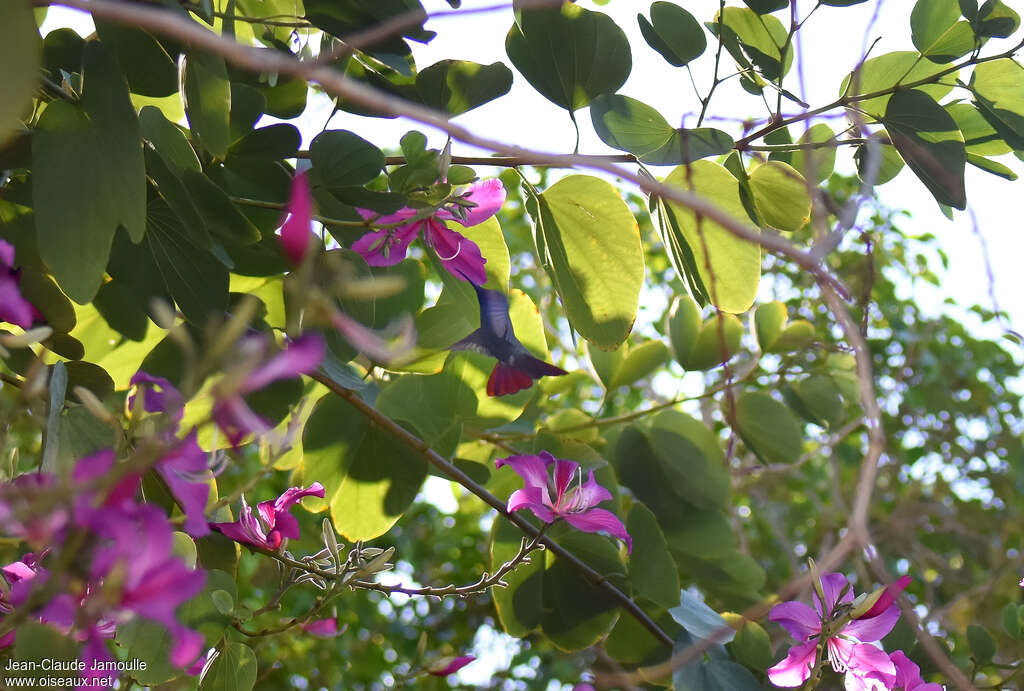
[[999, 88], [937, 32], [586, 229], [768, 428], [728, 268], [88, 176], [886, 71], [456, 86], [546, 47], [780, 196], [370, 478], [673, 32]]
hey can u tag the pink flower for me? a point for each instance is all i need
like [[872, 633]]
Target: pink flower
[[575, 505], [459, 255], [323, 628], [233, 414], [908, 675], [158, 396], [849, 649], [297, 226], [449, 665], [277, 523], [13, 307], [17, 518]]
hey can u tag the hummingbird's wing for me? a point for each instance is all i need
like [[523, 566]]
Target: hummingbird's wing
[[494, 317], [475, 341]]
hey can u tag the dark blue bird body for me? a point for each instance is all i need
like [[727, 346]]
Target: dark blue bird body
[[516, 368]]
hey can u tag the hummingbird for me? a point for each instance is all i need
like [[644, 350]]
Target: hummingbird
[[516, 368]]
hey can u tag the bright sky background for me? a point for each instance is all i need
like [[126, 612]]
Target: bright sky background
[[832, 44]]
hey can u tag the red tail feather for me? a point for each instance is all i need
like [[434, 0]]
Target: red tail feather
[[506, 380]]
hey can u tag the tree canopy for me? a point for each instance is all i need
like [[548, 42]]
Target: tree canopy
[[340, 412]]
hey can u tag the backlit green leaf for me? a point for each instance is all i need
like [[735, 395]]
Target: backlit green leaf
[[207, 93], [21, 55], [673, 32], [457, 86], [780, 196]]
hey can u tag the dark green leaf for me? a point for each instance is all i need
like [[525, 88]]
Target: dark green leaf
[[168, 139], [673, 32], [150, 68], [196, 279], [271, 142], [762, 38], [21, 56], [341, 158], [222, 217], [45, 296], [545, 45], [990, 166], [651, 569], [996, 20], [457, 86], [207, 93], [44, 646], [88, 177], [714, 675], [766, 6], [629, 125], [768, 428], [983, 646], [927, 138]]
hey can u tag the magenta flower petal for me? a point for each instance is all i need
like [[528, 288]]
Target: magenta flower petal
[[796, 668], [297, 227], [158, 395], [374, 345], [187, 476], [888, 597], [564, 471], [531, 498], [301, 357], [533, 469], [908, 675], [13, 307], [402, 214], [237, 420], [832, 584], [387, 247], [459, 255], [6, 254], [449, 665], [95, 650], [797, 618], [590, 493], [600, 520], [188, 645], [875, 628], [862, 660], [324, 628], [488, 195]]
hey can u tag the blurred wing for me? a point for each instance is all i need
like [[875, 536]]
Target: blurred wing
[[474, 341], [494, 316]]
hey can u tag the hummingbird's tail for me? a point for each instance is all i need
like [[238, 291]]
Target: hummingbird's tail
[[509, 379]]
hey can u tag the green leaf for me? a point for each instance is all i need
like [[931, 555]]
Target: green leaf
[[640, 362], [546, 45], [42, 645], [768, 428], [714, 675], [45, 296], [196, 279], [691, 458], [999, 87], [699, 620], [766, 6], [983, 646], [842, 3], [222, 217], [769, 320], [341, 158], [821, 401], [629, 125], [817, 163], [457, 86], [937, 33], [88, 177], [727, 268], [889, 165], [752, 647], [438, 423], [520, 605], [587, 227], [651, 569], [272, 142], [762, 38], [780, 196], [21, 56], [996, 20], [673, 32], [980, 137], [207, 93], [150, 642], [990, 166], [150, 68], [927, 138], [1010, 622], [168, 139], [234, 669], [370, 478], [885, 72], [700, 345]]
